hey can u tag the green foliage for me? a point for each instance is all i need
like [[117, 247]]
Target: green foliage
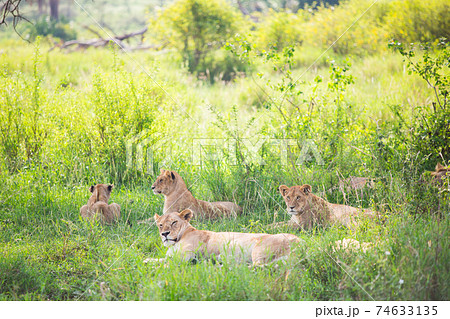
[[124, 106], [339, 81], [68, 132], [279, 29], [430, 129], [338, 28], [23, 129], [45, 26], [220, 66], [418, 21], [197, 28], [298, 114], [361, 27]]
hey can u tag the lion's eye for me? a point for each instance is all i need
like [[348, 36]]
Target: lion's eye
[[288, 198], [174, 223], [298, 197], [160, 225], [160, 180]]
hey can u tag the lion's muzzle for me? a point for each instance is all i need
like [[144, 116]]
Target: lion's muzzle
[[166, 240], [155, 191]]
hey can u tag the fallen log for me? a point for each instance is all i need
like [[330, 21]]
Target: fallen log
[[118, 40]]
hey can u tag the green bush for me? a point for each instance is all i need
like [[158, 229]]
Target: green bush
[[221, 66], [329, 27], [196, 28], [430, 128], [361, 27], [45, 26], [418, 21], [280, 29]]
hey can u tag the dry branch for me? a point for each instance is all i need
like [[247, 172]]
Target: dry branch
[[118, 40]]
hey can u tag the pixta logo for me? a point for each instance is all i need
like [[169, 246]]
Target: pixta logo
[[149, 150]]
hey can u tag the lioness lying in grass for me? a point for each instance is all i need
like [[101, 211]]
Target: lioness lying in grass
[[189, 243], [440, 174], [97, 205], [178, 197], [307, 210]]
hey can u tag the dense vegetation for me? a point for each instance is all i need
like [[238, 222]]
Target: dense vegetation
[[371, 106]]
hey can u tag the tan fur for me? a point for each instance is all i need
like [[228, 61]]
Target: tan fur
[[355, 183], [308, 210], [440, 174], [189, 243], [97, 205], [178, 197]]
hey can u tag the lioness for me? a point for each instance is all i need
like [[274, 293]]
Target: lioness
[[178, 197], [440, 174], [97, 205], [189, 243], [355, 183], [308, 209]]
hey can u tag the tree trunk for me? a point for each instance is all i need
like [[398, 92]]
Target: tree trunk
[[54, 9], [41, 6]]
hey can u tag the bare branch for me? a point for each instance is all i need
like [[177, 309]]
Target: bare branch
[[10, 8], [92, 30], [132, 34], [102, 42]]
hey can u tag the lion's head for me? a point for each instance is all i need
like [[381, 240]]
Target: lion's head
[[100, 192], [296, 198], [171, 226], [165, 183]]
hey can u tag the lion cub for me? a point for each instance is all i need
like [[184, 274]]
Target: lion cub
[[307, 209], [178, 197], [97, 206], [184, 240]]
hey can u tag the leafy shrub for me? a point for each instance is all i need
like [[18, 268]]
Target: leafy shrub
[[418, 21], [196, 28], [361, 27], [45, 26], [333, 27], [430, 129], [280, 29], [220, 66]]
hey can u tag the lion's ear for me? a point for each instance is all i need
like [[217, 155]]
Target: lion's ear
[[91, 189], [283, 190], [306, 189], [110, 187], [439, 166], [156, 217], [186, 214], [172, 175], [162, 171]]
